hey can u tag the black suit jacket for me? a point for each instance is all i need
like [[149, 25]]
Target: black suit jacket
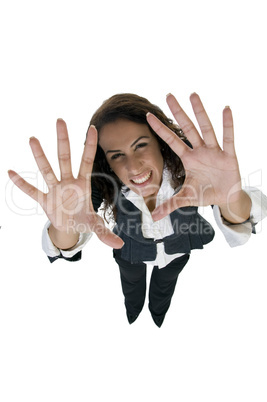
[[191, 231]]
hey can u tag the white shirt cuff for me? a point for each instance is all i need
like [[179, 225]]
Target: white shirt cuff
[[52, 251], [239, 234]]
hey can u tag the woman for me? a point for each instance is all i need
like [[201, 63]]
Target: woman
[[151, 175]]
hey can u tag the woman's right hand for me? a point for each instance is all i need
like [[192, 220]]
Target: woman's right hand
[[68, 203]]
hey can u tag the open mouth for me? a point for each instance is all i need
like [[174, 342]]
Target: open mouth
[[142, 179]]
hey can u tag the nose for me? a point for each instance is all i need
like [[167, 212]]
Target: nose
[[134, 164]]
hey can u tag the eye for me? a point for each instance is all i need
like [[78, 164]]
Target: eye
[[141, 145], [115, 156]]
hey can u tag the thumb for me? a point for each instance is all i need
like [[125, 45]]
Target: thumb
[[184, 198], [106, 235]]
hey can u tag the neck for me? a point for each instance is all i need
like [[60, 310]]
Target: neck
[[150, 203]]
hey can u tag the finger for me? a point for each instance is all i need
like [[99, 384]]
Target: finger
[[186, 197], [184, 122], [228, 132], [42, 162], [26, 187], [105, 235], [203, 120], [63, 146], [88, 153], [174, 142]]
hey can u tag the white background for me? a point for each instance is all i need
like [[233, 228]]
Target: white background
[[64, 335]]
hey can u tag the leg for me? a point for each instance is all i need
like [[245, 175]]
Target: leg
[[133, 282], [162, 286]]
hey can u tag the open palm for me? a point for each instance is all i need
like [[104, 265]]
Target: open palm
[[212, 173], [68, 203]]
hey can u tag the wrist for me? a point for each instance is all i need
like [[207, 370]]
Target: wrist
[[61, 239], [238, 209]]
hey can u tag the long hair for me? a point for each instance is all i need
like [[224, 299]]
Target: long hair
[[133, 108]]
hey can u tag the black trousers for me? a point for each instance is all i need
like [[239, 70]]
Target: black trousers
[[161, 289]]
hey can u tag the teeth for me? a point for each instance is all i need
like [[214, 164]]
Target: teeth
[[144, 178]]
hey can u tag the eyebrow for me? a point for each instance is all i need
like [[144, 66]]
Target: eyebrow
[[138, 139]]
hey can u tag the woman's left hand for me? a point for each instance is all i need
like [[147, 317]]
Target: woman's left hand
[[212, 173]]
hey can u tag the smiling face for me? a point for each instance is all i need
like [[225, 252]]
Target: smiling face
[[133, 153]]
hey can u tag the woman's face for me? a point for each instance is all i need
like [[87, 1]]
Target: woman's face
[[134, 155]]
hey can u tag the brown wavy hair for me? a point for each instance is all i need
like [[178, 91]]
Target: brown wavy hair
[[133, 108]]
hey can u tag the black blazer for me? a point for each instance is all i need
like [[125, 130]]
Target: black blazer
[[191, 231]]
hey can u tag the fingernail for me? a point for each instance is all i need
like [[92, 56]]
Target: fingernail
[[227, 107], [168, 95], [31, 138]]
